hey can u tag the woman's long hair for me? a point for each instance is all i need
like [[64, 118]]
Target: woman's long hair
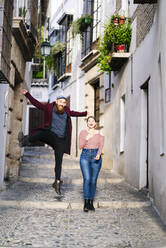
[[92, 117]]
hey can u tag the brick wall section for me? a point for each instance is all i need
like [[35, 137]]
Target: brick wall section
[[118, 5], [145, 15]]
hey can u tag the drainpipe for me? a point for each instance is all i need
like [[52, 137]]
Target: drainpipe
[[131, 73]]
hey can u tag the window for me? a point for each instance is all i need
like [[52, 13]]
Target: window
[[87, 35], [20, 8], [69, 47], [122, 123], [91, 34], [53, 79], [65, 35], [96, 19], [108, 90]]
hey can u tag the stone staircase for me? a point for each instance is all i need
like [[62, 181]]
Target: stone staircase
[[33, 215], [34, 188]]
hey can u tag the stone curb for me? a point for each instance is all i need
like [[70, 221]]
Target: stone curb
[[72, 205], [102, 181]]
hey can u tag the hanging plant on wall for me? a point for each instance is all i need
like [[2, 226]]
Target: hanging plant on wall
[[114, 35], [52, 59], [81, 24]]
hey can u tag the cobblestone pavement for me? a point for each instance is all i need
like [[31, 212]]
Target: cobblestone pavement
[[32, 215]]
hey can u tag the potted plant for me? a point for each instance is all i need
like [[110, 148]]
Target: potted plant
[[52, 59], [81, 24], [114, 35], [117, 19], [122, 19], [122, 37]]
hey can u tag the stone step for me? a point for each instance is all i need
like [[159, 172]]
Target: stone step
[[111, 189], [69, 170], [50, 166], [37, 149], [38, 155], [50, 156], [79, 181], [73, 205]]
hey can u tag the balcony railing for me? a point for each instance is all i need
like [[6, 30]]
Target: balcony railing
[[24, 39], [39, 83]]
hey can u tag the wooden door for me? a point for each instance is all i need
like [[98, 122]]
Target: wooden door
[[36, 120], [97, 102]]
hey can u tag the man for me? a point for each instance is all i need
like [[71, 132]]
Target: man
[[55, 132]]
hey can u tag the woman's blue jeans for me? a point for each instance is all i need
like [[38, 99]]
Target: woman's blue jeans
[[90, 170]]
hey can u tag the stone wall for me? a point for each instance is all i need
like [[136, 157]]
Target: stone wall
[[13, 151], [145, 16]]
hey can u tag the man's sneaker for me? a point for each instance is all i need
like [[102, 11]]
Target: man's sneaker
[[20, 138], [56, 185], [23, 140]]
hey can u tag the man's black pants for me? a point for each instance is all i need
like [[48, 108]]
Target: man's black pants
[[58, 144]]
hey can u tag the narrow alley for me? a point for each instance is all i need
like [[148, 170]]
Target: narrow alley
[[32, 215]]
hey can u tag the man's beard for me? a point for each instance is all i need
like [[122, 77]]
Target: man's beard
[[59, 111]]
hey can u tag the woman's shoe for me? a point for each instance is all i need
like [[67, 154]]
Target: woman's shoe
[[86, 205], [90, 203]]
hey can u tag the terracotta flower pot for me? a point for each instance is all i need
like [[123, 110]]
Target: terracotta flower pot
[[120, 48], [116, 21], [122, 20]]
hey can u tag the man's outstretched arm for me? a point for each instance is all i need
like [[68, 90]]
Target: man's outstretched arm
[[35, 102], [76, 113]]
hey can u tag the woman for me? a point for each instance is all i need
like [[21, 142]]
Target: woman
[[91, 142]]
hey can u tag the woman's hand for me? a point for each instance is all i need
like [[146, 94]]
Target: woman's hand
[[97, 157], [24, 91]]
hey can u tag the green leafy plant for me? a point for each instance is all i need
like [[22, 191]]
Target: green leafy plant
[[113, 35], [80, 24], [52, 59], [38, 74], [123, 34]]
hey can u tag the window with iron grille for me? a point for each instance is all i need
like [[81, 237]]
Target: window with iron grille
[[96, 19], [53, 80], [61, 64], [91, 34], [65, 36], [108, 90], [69, 43], [20, 8]]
